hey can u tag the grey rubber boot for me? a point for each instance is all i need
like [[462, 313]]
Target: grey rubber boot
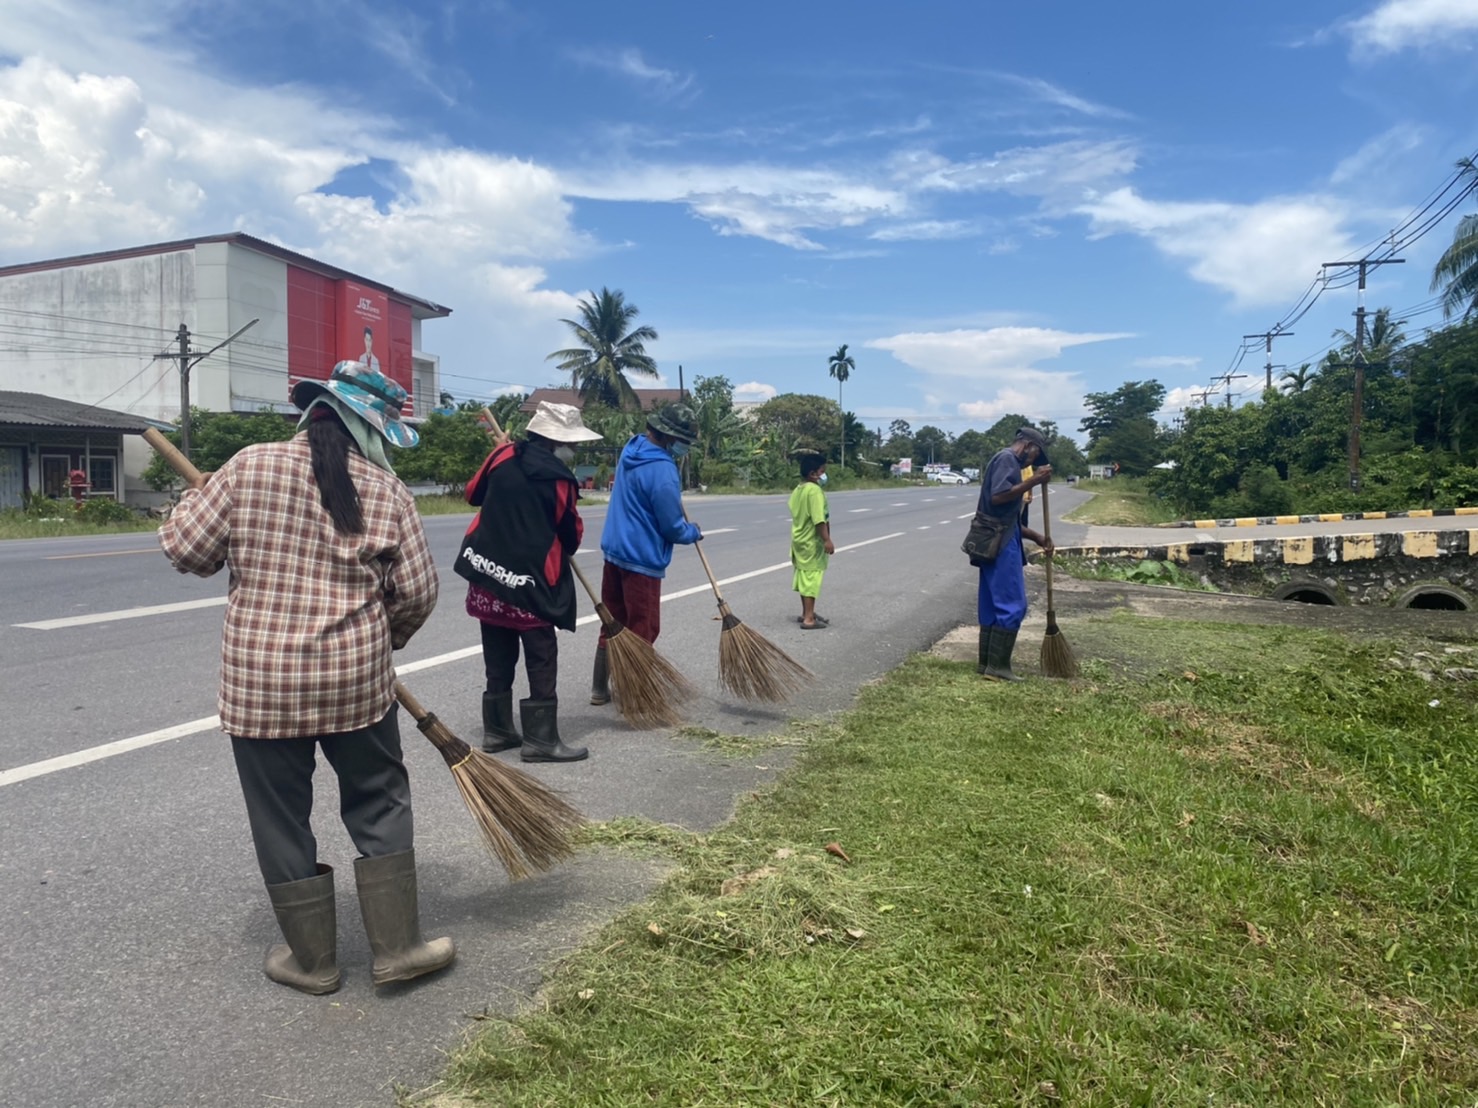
[[305, 913], [392, 919], [983, 653], [498, 730], [998, 661], [541, 741], [600, 681]]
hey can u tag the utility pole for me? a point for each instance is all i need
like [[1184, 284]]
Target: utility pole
[[1357, 360], [189, 361], [1268, 337], [1229, 377]]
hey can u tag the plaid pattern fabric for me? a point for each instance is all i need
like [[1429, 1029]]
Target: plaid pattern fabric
[[312, 615]]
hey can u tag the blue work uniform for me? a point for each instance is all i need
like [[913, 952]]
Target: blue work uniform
[[1002, 598]]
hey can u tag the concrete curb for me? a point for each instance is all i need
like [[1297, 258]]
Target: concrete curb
[[1326, 517]]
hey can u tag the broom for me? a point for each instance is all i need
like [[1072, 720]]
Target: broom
[[1057, 655], [649, 689], [749, 665], [525, 825]]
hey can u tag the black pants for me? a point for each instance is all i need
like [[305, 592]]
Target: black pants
[[541, 659], [277, 783]]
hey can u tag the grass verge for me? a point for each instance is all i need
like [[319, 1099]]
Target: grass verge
[[1122, 502], [1236, 868]]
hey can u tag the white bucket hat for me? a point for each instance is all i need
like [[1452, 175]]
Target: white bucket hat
[[560, 422]]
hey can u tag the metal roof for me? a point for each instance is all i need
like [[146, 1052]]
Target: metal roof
[[31, 409], [429, 308]]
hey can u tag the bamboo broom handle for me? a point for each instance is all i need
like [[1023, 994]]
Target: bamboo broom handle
[[177, 461], [408, 701], [1047, 534], [698, 546]]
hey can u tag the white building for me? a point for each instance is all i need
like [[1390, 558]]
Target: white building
[[103, 329]]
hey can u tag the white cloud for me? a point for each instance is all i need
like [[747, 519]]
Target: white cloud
[[926, 230], [1261, 253], [1392, 145], [997, 353], [630, 63], [755, 391], [770, 202], [1055, 94], [1398, 24], [1007, 400], [1186, 396], [1167, 361], [1052, 170]]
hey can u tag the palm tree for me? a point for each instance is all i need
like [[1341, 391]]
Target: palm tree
[[840, 365], [1383, 339], [1457, 269], [1296, 380], [607, 350]]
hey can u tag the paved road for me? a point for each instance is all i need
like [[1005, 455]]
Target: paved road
[[133, 917]]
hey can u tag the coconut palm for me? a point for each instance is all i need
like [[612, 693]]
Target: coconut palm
[[1457, 269], [1296, 380], [607, 350], [840, 365], [1383, 339]]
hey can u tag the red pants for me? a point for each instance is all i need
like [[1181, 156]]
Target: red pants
[[635, 600]]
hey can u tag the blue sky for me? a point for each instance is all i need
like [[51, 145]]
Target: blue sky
[[999, 206]]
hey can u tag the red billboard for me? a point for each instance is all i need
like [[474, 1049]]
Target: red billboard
[[330, 321]]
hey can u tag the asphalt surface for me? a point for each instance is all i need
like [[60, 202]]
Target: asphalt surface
[[133, 916]]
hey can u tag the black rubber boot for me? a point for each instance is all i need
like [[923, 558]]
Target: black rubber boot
[[392, 919], [541, 741], [983, 655], [600, 681], [498, 730], [998, 661], [305, 913]]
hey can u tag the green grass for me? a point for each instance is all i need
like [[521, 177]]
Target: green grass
[[1234, 865], [1146, 571], [15, 524], [1122, 502]]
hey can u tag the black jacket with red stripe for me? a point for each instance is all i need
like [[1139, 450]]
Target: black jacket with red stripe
[[527, 529]]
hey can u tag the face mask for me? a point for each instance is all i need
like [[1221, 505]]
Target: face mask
[[821, 480], [566, 454], [679, 449]]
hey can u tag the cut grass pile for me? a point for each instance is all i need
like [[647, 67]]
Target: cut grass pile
[[1122, 502], [1236, 868]]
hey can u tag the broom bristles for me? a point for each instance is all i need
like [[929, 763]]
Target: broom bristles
[[648, 689], [525, 824], [752, 667], [1058, 659]]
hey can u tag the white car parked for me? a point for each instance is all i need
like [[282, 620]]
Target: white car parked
[[950, 477]]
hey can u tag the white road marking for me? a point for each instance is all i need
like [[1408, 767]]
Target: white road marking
[[99, 554], [855, 510], [925, 527], [722, 530], [900, 504], [944, 523], [967, 515], [124, 613], [928, 500], [213, 723]]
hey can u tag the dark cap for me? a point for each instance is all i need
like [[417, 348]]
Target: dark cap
[[1035, 437], [676, 421]]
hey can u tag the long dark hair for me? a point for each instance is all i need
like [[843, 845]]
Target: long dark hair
[[329, 441]]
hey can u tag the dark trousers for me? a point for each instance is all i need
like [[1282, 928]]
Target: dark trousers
[[635, 600], [277, 783], [541, 659]]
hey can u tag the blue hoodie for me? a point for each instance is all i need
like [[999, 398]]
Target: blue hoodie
[[646, 513]]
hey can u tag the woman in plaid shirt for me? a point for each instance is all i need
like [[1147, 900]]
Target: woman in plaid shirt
[[329, 572]]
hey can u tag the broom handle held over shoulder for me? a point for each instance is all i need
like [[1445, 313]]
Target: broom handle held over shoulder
[[177, 461], [698, 546]]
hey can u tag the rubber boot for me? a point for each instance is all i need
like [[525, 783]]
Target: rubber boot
[[983, 653], [305, 914], [600, 681], [392, 919], [498, 731], [541, 741], [998, 661]]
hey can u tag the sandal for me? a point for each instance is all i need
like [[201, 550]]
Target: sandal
[[822, 620], [819, 625]]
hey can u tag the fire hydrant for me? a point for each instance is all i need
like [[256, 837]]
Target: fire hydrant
[[78, 483]]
